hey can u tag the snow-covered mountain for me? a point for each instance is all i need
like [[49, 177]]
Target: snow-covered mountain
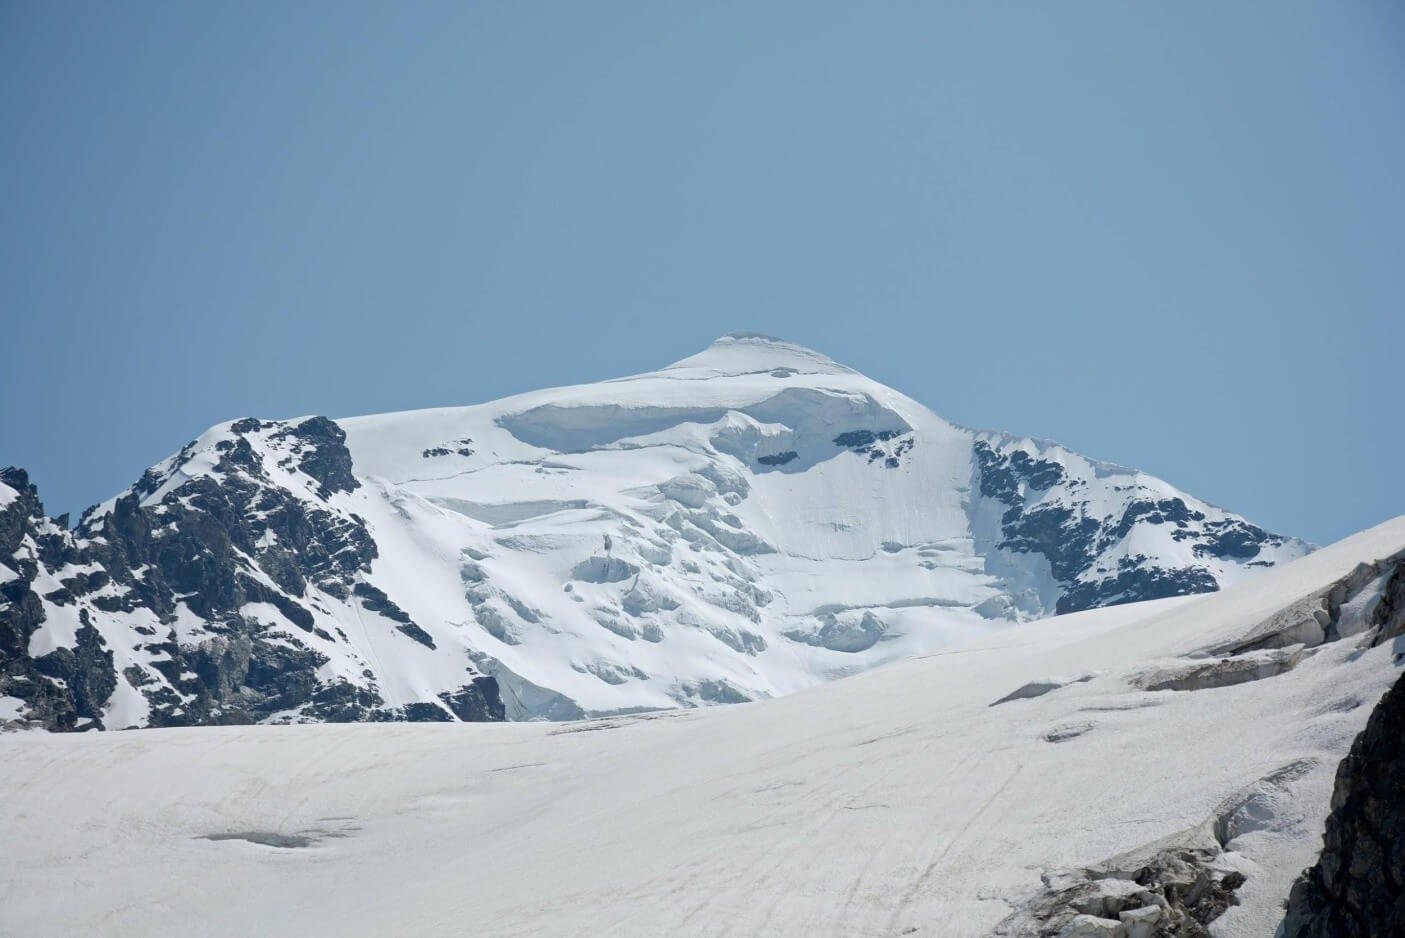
[[742, 524], [1154, 769]]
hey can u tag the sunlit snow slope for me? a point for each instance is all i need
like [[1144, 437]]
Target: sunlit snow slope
[[773, 519], [924, 798], [743, 524]]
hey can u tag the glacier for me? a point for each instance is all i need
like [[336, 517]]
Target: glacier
[[743, 524]]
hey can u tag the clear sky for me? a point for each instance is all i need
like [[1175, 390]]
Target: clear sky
[[1168, 235]]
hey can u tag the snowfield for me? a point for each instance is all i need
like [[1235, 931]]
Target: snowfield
[[903, 800]]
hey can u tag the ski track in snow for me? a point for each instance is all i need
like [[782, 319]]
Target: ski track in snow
[[896, 801]]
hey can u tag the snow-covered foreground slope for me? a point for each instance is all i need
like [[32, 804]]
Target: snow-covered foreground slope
[[740, 525], [905, 800]]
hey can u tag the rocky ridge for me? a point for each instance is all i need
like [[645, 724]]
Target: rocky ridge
[[169, 595]]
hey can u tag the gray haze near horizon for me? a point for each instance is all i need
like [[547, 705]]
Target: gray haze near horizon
[[1169, 236]]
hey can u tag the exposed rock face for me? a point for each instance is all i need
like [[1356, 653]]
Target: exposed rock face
[[1044, 513], [1357, 887], [59, 686], [219, 576], [1176, 891]]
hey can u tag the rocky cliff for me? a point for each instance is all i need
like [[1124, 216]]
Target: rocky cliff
[[1357, 887], [161, 611]]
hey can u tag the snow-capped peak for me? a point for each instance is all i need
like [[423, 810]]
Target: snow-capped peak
[[741, 524], [741, 353]]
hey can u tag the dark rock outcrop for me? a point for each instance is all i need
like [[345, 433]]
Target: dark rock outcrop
[[1176, 891], [477, 701], [217, 574], [1071, 534], [885, 446], [1357, 887]]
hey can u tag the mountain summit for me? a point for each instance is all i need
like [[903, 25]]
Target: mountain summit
[[746, 522], [739, 353]]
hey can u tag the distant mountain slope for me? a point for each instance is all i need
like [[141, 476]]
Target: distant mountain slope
[[742, 524]]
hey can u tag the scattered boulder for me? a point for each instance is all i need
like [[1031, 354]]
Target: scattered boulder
[[1172, 887], [1089, 926], [1141, 923]]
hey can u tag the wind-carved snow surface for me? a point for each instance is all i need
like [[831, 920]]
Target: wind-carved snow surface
[[1018, 780], [774, 519]]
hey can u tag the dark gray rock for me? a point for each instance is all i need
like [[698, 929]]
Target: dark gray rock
[[1357, 887], [878, 445], [1071, 538], [323, 454], [453, 447], [214, 543], [1182, 883], [476, 702], [375, 600]]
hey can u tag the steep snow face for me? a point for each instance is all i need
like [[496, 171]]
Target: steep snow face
[[1092, 764], [751, 520], [742, 524]]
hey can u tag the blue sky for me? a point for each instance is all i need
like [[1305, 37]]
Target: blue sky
[[1166, 235]]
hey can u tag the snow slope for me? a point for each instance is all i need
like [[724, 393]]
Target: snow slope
[[905, 800], [742, 524], [775, 519]]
